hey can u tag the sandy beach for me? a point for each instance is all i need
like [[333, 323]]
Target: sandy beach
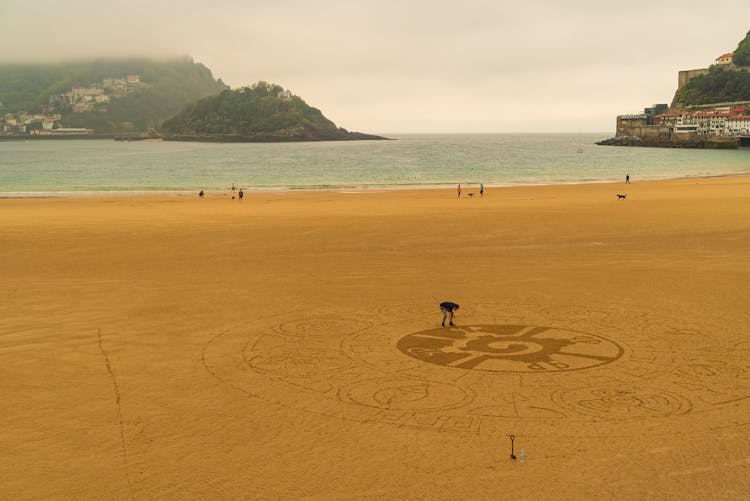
[[289, 346]]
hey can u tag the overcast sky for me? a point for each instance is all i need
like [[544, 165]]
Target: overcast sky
[[409, 65]]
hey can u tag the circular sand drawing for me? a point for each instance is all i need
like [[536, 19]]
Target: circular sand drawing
[[510, 348], [320, 327], [625, 403], [288, 362], [406, 394], [536, 370]]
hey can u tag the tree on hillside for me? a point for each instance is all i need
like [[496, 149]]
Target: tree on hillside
[[742, 54]]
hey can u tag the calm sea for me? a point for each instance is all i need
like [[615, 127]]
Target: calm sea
[[29, 168]]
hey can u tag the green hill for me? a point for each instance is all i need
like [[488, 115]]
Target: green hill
[[722, 83], [155, 91], [742, 54], [262, 112], [717, 86]]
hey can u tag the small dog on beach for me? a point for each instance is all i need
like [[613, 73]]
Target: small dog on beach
[[621, 196]]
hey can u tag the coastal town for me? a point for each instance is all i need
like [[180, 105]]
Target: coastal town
[[48, 121], [713, 125], [729, 119]]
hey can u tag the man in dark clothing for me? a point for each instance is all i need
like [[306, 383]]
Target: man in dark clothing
[[448, 308]]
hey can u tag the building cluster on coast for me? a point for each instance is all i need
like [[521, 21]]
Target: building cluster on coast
[[77, 100], [730, 120], [716, 124], [726, 119]]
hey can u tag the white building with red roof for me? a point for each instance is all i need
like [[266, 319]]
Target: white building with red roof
[[725, 58], [738, 125]]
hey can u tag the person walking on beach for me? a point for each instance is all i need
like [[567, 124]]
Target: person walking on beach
[[481, 189], [458, 190], [241, 194], [200, 195], [627, 178], [448, 308]]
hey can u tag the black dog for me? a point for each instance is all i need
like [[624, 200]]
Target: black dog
[[621, 196]]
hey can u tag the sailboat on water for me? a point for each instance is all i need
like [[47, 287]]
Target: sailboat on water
[[580, 143]]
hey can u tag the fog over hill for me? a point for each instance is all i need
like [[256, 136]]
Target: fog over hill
[[106, 95]]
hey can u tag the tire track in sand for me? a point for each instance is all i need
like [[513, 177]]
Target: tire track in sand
[[119, 412]]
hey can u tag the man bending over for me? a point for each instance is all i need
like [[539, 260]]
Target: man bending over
[[448, 308]]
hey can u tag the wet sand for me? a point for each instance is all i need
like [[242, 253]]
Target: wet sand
[[289, 346]]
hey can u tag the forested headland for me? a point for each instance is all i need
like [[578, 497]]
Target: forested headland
[[261, 112]]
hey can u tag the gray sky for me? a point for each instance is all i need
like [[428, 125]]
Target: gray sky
[[409, 66]]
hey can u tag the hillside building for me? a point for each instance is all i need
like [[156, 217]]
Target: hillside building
[[11, 127], [86, 94], [725, 58], [82, 107]]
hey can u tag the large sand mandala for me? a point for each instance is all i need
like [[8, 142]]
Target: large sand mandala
[[534, 370], [510, 348]]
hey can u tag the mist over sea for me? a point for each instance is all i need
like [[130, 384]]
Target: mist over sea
[[47, 167]]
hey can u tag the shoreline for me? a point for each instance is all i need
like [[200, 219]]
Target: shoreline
[[128, 193], [355, 136]]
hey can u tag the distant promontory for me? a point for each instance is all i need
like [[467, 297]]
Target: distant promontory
[[136, 99], [263, 112], [710, 109]]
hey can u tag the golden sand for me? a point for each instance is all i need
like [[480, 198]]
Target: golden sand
[[289, 346]]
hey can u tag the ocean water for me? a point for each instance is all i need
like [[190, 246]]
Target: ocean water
[[32, 168]]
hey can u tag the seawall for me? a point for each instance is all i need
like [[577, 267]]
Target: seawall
[[674, 141]]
